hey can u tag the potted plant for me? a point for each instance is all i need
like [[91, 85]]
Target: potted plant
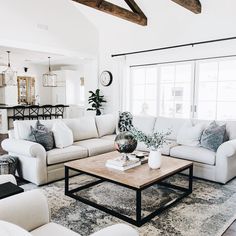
[[154, 143], [96, 100]]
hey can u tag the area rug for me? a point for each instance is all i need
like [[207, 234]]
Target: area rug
[[208, 211]]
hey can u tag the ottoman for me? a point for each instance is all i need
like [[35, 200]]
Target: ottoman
[[8, 164]]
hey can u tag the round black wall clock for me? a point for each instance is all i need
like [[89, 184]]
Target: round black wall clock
[[106, 78]]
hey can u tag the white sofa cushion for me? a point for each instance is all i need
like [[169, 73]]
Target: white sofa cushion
[[197, 154], [82, 128], [106, 124], [9, 229], [190, 134], [63, 135], [163, 124], [144, 123], [53, 229], [110, 137], [28, 210], [97, 146], [73, 152]]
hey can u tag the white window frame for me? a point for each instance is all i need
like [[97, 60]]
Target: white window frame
[[194, 83]]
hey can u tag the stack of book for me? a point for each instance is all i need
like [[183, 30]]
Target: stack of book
[[120, 164]]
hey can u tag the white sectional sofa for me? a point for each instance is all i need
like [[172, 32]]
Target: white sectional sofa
[[95, 135]]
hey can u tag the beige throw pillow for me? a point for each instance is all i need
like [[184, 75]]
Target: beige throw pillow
[[190, 134]]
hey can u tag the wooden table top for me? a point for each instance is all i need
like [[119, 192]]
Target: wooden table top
[[137, 177]]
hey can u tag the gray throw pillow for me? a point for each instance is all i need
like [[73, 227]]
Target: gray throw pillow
[[213, 136], [41, 127], [42, 136]]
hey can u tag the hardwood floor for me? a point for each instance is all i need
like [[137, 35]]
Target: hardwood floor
[[231, 231], [2, 137]]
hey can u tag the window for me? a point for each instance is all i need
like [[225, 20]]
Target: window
[[175, 90], [203, 89], [144, 91], [216, 91]]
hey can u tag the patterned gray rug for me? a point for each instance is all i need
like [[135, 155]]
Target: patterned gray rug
[[208, 211]]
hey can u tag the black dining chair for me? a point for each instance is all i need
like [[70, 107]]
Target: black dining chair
[[47, 112], [33, 112], [18, 114], [59, 111]]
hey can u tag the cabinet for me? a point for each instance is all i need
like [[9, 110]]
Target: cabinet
[[26, 90]]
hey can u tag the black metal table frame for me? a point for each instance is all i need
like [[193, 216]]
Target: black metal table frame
[[139, 221]]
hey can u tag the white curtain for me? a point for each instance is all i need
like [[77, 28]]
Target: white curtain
[[121, 77]]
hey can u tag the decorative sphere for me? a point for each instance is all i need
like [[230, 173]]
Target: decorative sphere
[[125, 142]]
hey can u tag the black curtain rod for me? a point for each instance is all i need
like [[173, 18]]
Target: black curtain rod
[[175, 46]]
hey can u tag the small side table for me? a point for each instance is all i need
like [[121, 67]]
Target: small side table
[[8, 189]]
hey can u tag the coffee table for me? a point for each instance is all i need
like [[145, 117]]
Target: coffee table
[[137, 179]]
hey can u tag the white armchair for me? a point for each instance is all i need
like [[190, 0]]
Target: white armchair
[[29, 210], [7, 178]]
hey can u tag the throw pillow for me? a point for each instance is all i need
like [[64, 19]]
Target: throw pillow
[[190, 134], [106, 124], [125, 121], [40, 126], [62, 134], [213, 136], [43, 137]]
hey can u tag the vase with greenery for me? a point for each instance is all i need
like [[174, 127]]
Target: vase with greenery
[[96, 101], [154, 143]]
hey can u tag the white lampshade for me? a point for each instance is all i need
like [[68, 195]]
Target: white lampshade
[[9, 75], [49, 78]]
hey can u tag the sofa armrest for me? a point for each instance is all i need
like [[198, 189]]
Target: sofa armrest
[[226, 161], [227, 149], [29, 210], [117, 230], [23, 147], [7, 178]]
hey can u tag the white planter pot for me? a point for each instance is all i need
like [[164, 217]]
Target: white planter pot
[[155, 159]]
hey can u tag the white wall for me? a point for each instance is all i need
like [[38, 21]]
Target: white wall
[[47, 25], [168, 24]]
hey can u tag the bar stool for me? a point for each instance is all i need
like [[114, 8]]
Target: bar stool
[[33, 112], [18, 114], [47, 112], [59, 111]]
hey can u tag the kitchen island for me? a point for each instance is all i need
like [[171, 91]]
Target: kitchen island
[[6, 111]]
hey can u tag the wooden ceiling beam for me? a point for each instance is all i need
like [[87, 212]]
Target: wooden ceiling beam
[[99, 2], [112, 9], [134, 7], [192, 5]]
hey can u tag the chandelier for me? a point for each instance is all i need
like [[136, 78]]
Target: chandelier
[[49, 78], [9, 75]]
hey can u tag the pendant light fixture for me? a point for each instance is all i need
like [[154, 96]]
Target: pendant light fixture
[[9, 75], [49, 78]]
